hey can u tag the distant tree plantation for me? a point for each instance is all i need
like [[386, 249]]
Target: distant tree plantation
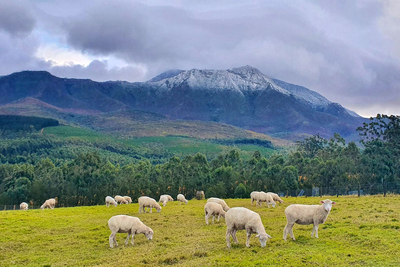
[[35, 168]]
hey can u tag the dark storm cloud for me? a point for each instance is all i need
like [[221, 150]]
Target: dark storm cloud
[[345, 50], [15, 18]]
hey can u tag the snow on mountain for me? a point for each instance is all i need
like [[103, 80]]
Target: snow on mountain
[[240, 79]]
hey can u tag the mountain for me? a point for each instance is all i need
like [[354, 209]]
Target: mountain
[[242, 97]]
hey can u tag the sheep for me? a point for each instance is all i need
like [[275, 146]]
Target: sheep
[[165, 198], [200, 195], [129, 199], [23, 206], [275, 197], [212, 208], [254, 197], [151, 203], [111, 201], [127, 224], [219, 201], [307, 214], [50, 204], [244, 219], [265, 197], [120, 200], [181, 198]]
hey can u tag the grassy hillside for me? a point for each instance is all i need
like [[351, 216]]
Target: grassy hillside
[[167, 146], [358, 232]]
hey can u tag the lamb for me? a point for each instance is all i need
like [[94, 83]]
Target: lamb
[[254, 196], [129, 199], [275, 197], [244, 219], [50, 204], [120, 200], [219, 201], [127, 224], [181, 198], [212, 208], [151, 203], [111, 201], [23, 206], [265, 197], [165, 198], [306, 214]]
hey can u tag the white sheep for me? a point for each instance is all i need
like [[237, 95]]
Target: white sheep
[[165, 198], [306, 214], [244, 219], [127, 224], [147, 202], [111, 201], [219, 201], [254, 197], [120, 200], [129, 199], [50, 204], [212, 208], [181, 198], [265, 197], [23, 206], [275, 197]]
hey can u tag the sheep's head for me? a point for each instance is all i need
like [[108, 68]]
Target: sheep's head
[[273, 203], [328, 204], [263, 239], [42, 207], [158, 208], [149, 234], [115, 203], [186, 201]]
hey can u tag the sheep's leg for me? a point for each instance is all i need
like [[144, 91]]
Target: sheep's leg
[[291, 232], [111, 240], [218, 216], [132, 239], [213, 218], [140, 209], [127, 239], [228, 241], [248, 238], [206, 217], [234, 236], [288, 229], [151, 209], [315, 230]]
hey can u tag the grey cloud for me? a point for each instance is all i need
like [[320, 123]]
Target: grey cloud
[[16, 18]]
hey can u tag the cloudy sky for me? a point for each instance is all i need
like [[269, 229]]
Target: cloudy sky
[[348, 51]]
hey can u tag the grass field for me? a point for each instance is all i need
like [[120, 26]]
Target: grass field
[[361, 231]]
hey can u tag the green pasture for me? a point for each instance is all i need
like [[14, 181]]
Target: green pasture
[[179, 146], [361, 231]]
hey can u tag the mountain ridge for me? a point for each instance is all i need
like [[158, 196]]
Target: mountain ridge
[[243, 97]]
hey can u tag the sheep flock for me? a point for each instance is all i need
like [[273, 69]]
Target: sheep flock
[[236, 218]]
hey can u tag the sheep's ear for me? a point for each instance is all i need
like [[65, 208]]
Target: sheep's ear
[[322, 202], [269, 236], [333, 202], [258, 235]]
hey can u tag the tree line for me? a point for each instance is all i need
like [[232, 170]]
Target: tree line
[[314, 162]]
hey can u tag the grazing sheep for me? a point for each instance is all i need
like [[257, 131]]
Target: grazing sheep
[[306, 214], [265, 197], [151, 203], [111, 201], [120, 200], [200, 195], [127, 224], [181, 198], [50, 204], [244, 219], [219, 201], [254, 197], [129, 199], [165, 198], [275, 197], [23, 206], [212, 208]]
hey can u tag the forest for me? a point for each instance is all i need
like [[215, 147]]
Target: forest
[[32, 171]]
